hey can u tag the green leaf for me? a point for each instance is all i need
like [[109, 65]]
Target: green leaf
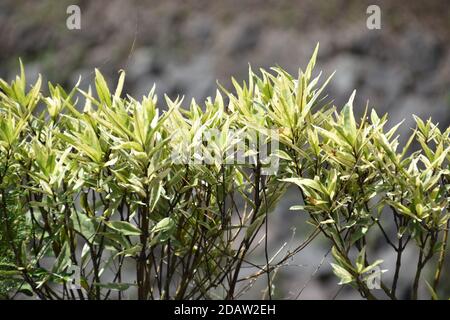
[[331, 135], [120, 84], [155, 195], [131, 252], [405, 210], [26, 289], [102, 88], [360, 260], [373, 265], [255, 226], [358, 234], [63, 260], [124, 228], [115, 286], [349, 119], [302, 182], [433, 293], [328, 221], [84, 225], [164, 225], [340, 259], [344, 276], [297, 208]]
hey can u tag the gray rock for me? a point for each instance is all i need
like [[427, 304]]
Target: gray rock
[[140, 63], [419, 51], [194, 79], [199, 29], [239, 37], [423, 107]]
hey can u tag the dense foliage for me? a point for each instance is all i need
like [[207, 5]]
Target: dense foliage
[[91, 181]]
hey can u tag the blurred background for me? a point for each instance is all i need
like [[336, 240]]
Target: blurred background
[[185, 46]]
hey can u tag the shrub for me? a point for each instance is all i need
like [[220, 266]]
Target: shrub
[[116, 188]]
